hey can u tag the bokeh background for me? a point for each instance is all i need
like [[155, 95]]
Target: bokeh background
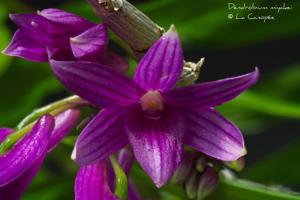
[[268, 114]]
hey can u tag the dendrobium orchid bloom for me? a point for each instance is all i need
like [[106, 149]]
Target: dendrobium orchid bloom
[[56, 34], [151, 114], [19, 165]]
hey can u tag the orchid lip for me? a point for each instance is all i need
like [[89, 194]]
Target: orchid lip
[[152, 104]]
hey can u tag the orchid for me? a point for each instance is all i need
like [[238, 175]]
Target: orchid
[[56, 34], [19, 165], [151, 114]]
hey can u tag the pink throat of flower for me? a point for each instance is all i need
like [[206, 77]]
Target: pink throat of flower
[[152, 102]]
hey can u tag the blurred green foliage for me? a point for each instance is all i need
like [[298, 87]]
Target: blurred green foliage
[[25, 86], [5, 37]]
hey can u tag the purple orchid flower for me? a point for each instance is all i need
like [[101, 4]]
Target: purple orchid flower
[[152, 115], [20, 164], [96, 181], [56, 34]]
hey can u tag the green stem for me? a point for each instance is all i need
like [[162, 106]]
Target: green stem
[[59, 106], [121, 179], [13, 138], [28, 122]]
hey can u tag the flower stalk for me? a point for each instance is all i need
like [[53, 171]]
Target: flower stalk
[[121, 179], [14, 137], [53, 108], [29, 121]]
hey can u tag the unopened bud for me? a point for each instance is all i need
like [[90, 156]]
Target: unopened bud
[[184, 168], [208, 183], [191, 185]]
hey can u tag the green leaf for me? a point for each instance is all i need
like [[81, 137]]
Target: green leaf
[[266, 105], [238, 189], [280, 167]]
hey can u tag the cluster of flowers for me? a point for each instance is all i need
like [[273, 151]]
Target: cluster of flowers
[[147, 112]]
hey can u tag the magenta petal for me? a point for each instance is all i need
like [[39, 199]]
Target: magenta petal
[[96, 83], [157, 144], [117, 62], [101, 137], [65, 18], [90, 44], [4, 132], [211, 94], [125, 158], [32, 23], [27, 151], [92, 183], [41, 30], [15, 189], [64, 122], [25, 47], [161, 66], [213, 135]]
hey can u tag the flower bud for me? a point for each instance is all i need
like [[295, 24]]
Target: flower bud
[[192, 184], [184, 168], [208, 183]]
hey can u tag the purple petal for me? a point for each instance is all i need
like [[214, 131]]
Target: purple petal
[[24, 154], [92, 183], [212, 134], [32, 23], [125, 158], [64, 123], [211, 94], [90, 44], [101, 137], [97, 83], [24, 46], [185, 168], [42, 31], [4, 132], [51, 27], [161, 66], [58, 53], [157, 144], [114, 60], [15, 189], [65, 18]]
